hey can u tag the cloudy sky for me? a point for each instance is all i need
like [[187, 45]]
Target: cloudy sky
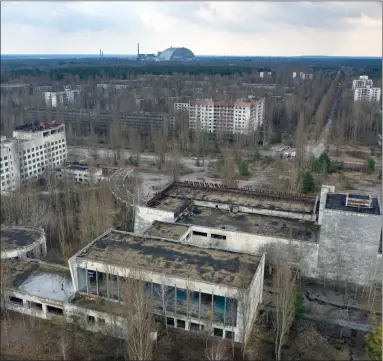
[[207, 28]]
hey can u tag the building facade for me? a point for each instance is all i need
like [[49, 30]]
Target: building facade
[[101, 121], [9, 165], [33, 149], [40, 147], [183, 294], [64, 97], [367, 94], [241, 117], [362, 82]]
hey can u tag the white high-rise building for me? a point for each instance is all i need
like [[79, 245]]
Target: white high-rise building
[[63, 97], [33, 149], [367, 94], [10, 176], [362, 82], [240, 117]]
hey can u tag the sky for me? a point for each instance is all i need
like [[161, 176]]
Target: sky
[[206, 28]]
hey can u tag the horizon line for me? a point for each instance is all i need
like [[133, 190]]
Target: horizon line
[[196, 55]]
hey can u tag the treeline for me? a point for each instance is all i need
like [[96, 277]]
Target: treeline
[[124, 72]]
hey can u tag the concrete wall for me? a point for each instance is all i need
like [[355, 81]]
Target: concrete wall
[[267, 212], [348, 246], [302, 253], [145, 216], [110, 325], [248, 307]]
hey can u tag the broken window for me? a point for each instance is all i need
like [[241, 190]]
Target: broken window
[[181, 324], [16, 300], [35, 306], [202, 234], [194, 326], [55, 310], [218, 236], [218, 332], [229, 335], [91, 319], [170, 321]]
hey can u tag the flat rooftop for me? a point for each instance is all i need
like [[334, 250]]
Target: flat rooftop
[[13, 237], [41, 280], [77, 166], [174, 196], [252, 223], [166, 230], [36, 127], [337, 202], [174, 259]]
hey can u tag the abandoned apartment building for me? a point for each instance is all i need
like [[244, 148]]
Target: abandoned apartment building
[[200, 250]]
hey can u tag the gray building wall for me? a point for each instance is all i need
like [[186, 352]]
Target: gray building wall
[[348, 247]]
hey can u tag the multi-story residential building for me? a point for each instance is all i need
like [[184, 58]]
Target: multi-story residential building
[[240, 117], [64, 97], [9, 165], [362, 82], [33, 149], [181, 107], [101, 121], [367, 94]]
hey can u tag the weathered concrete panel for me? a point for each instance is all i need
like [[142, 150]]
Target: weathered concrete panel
[[348, 246], [145, 216]]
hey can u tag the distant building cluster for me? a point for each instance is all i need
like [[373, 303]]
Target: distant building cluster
[[364, 90], [240, 117], [303, 76], [65, 97], [34, 148]]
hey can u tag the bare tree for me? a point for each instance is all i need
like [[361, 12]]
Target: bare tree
[[217, 350], [135, 144], [312, 345], [227, 167], [159, 140], [284, 281], [138, 316], [174, 155]]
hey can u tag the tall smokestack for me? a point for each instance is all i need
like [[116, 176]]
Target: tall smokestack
[[100, 53], [138, 50]]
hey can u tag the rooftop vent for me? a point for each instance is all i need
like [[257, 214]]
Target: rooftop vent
[[360, 201]]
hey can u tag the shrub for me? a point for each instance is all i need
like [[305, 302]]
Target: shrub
[[335, 166], [256, 156], [243, 169], [325, 165], [371, 164], [306, 181], [267, 159]]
